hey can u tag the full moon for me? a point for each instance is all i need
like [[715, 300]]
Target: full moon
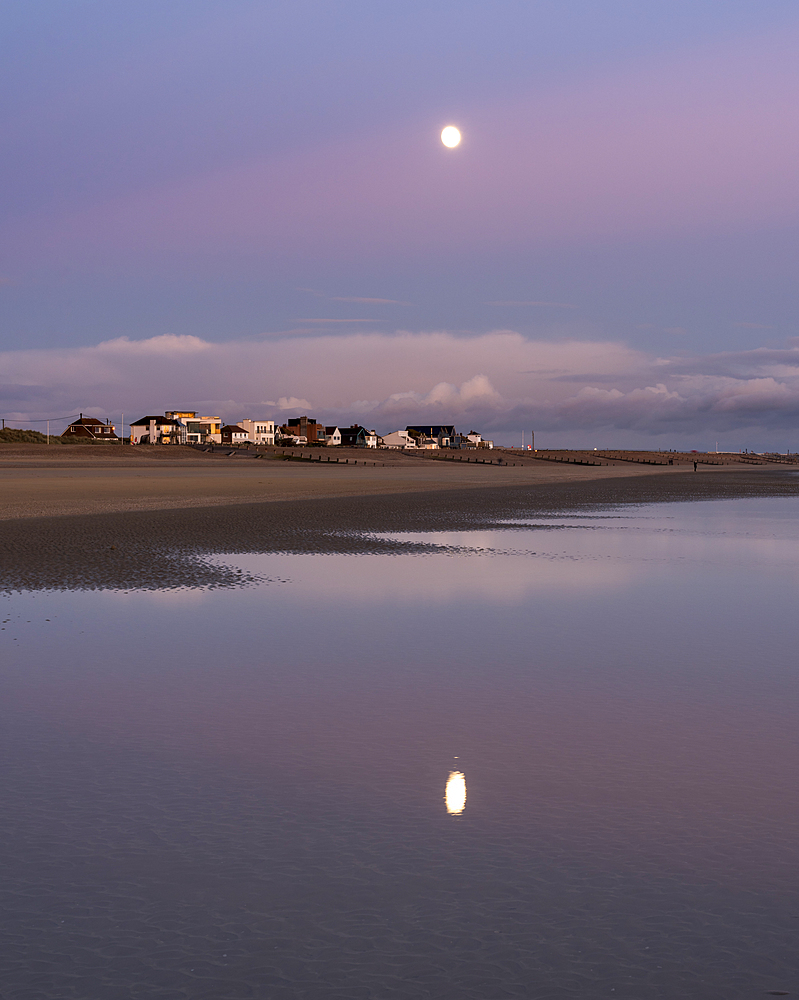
[[451, 136]]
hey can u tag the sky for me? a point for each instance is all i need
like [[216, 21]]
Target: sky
[[244, 208]]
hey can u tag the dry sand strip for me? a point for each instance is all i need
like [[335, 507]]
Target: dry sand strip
[[36, 481], [137, 549]]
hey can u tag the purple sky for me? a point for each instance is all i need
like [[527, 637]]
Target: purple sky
[[245, 208]]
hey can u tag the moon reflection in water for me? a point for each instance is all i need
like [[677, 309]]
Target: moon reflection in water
[[455, 793]]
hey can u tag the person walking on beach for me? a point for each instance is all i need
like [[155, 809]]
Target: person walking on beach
[[694, 466]]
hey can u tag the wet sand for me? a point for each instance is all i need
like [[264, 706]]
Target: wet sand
[[208, 802], [36, 481], [153, 522]]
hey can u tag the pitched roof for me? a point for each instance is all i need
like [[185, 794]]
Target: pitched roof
[[87, 422], [433, 430], [160, 420]]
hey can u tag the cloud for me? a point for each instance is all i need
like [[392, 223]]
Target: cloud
[[289, 403], [444, 398], [496, 382], [166, 345]]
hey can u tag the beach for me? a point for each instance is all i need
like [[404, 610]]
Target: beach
[[36, 481], [224, 775], [128, 517], [232, 702]]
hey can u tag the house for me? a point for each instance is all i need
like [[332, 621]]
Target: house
[[302, 427], [92, 429], [439, 435], [204, 430], [233, 434], [332, 436], [399, 439], [259, 431], [286, 440], [184, 418], [353, 437], [358, 437], [475, 440], [157, 430]]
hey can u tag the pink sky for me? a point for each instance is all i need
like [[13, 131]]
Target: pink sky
[[635, 196]]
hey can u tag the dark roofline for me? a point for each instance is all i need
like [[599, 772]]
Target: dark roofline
[[429, 428], [159, 420], [87, 422]]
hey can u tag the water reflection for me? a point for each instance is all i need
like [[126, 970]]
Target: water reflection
[[171, 776], [455, 793]]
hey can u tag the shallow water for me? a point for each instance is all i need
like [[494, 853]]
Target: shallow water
[[241, 793]]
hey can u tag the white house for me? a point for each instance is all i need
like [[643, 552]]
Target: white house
[[259, 431], [204, 430], [398, 439], [477, 441], [332, 436], [157, 430], [233, 434]]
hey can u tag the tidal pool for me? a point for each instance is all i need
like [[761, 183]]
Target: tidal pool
[[555, 759]]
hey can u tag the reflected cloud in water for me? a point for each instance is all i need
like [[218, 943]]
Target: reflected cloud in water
[[628, 695], [587, 555]]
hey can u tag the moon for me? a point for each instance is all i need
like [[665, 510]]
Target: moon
[[451, 136]]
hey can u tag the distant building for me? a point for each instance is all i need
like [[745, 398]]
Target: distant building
[[233, 434], [475, 440], [91, 428], [158, 430], [399, 439], [203, 430], [434, 435], [332, 436], [259, 431], [358, 437], [303, 427], [282, 437]]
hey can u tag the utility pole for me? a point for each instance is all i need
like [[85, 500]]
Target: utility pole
[[532, 440], [48, 432]]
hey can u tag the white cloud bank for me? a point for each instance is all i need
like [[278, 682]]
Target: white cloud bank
[[575, 392]]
